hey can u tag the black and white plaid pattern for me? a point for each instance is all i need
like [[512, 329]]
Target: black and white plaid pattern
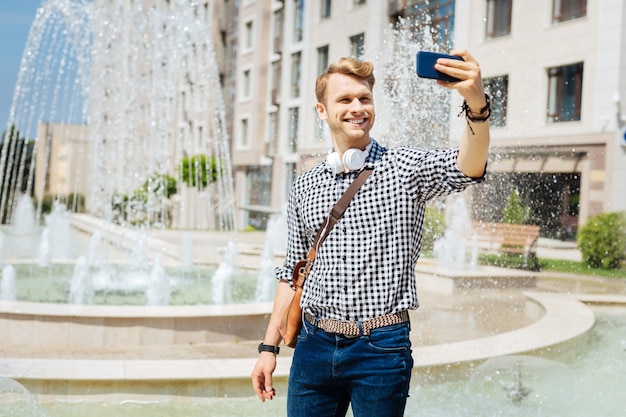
[[365, 267]]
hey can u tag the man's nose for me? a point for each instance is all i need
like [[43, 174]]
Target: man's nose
[[356, 105]]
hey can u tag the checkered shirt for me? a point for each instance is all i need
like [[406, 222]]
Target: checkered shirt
[[366, 266]]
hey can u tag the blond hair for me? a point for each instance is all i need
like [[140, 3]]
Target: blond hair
[[353, 67]]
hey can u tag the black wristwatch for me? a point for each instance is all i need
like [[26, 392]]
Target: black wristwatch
[[268, 348]]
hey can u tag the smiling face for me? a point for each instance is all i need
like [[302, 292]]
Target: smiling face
[[348, 110]]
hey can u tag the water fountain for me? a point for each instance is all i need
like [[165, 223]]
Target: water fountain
[[139, 118], [457, 249], [222, 277], [23, 223], [17, 401], [141, 106]]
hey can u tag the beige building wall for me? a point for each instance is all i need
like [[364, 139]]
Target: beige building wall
[[531, 143], [256, 51], [61, 166], [588, 146]]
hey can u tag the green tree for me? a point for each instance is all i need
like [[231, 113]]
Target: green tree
[[17, 152], [515, 212], [199, 170]]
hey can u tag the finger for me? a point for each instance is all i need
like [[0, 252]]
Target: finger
[[259, 391], [467, 57], [257, 385], [268, 383], [269, 393]]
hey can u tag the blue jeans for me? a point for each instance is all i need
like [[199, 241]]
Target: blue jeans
[[330, 371]]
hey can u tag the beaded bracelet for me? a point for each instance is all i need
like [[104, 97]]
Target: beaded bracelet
[[480, 119]]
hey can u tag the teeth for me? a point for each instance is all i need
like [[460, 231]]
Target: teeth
[[359, 121]]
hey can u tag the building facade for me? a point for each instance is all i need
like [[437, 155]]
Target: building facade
[[555, 70]]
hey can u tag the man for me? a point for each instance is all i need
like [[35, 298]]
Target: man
[[363, 274]]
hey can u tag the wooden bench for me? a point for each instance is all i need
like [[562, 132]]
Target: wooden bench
[[507, 238]]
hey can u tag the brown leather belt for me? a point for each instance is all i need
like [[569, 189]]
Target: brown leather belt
[[351, 328]]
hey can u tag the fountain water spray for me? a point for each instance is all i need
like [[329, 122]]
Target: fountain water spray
[[1, 248], [158, 292], [220, 285], [44, 248], [275, 240], [457, 249], [186, 256], [132, 89], [7, 284], [16, 400], [81, 288], [23, 222]]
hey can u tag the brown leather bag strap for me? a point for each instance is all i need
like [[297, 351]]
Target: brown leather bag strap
[[337, 211]]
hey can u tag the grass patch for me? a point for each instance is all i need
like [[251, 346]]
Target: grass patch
[[509, 260], [560, 265], [543, 264]]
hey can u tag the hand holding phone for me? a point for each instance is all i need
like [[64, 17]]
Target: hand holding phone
[[425, 65]]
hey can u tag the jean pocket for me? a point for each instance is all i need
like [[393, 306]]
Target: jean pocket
[[394, 338]]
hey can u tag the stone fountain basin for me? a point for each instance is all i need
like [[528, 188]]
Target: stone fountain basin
[[53, 326], [58, 326]]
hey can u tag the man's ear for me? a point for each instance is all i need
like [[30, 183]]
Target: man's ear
[[321, 111]]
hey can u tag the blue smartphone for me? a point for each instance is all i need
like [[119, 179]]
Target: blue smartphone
[[425, 65]]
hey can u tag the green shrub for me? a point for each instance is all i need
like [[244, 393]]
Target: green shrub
[[602, 240], [434, 227], [161, 184]]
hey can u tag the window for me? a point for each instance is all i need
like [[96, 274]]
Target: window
[[259, 193], [325, 9], [272, 134], [278, 31], [295, 74], [292, 146], [244, 133], [498, 89], [357, 42], [249, 35], [322, 59], [290, 177], [259, 185], [437, 16], [498, 18], [276, 74], [358, 2], [564, 10], [565, 93], [298, 20], [246, 84]]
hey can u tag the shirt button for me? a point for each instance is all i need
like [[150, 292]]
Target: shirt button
[[343, 258]]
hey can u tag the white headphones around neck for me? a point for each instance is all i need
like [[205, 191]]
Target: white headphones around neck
[[353, 159]]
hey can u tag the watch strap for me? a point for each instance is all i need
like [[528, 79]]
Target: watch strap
[[268, 348]]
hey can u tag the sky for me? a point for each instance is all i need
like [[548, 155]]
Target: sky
[[16, 16]]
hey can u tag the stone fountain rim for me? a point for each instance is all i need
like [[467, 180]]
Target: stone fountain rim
[[134, 311], [566, 317]]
